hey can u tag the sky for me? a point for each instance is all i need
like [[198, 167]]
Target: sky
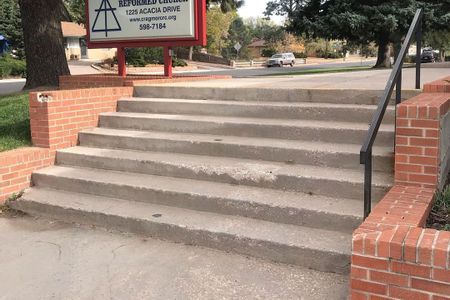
[[256, 8]]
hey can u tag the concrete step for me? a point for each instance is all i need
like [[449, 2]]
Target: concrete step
[[322, 250], [254, 109], [301, 178], [286, 151], [258, 203], [310, 130], [340, 96]]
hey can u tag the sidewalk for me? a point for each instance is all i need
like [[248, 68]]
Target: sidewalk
[[48, 260]]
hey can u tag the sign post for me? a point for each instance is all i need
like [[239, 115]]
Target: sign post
[[237, 47], [145, 23], [168, 62], [121, 61]]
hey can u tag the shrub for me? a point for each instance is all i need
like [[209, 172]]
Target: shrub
[[11, 67], [410, 59], [140, 57], [300, 55], [268, 52]]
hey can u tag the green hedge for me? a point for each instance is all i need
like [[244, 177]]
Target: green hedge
[[140, 57], [10, 67], [300, 55]]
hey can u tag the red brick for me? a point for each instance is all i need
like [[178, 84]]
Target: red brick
[[369, 262], [407, 294], [431, 286], [358, 296], [371, 287], [359, 273], [411, 269], [441, 275], [389, 278]]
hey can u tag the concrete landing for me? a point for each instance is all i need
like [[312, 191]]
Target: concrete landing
[[41, 259], [366, 80]]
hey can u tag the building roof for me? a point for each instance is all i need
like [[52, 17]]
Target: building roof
[[72, 29], [257, 44]]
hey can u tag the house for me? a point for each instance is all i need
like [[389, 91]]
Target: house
[[256, 47], [75, 44]]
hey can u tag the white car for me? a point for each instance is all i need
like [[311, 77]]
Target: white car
[[281, 60]]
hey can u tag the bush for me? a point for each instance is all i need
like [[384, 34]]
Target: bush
[[140, 57], [300, 55], [268, 52], [447, 58], [323, 54], [410, 59], [11, 67]]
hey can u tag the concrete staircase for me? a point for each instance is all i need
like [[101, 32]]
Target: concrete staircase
[[277, 177]]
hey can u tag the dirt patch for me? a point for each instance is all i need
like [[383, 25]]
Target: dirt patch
[[8, 212], [440, 214]]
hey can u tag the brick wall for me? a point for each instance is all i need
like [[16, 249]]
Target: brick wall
[[16, 167], [421, 140], [110, 80], [56, 117], [393, 256]]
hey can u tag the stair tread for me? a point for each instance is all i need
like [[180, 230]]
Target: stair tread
[[257, 195], [237, 168], [296, 236], [254, 103], [237, 140], [251, 121]]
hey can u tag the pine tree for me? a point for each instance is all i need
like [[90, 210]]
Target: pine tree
[[10, 25], [360, 21]]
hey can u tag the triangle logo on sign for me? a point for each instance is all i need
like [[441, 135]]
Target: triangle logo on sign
[[106, 19]]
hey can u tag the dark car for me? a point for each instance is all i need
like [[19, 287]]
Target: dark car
[[428, 56]]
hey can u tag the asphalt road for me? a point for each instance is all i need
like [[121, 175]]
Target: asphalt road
[[248, 72]]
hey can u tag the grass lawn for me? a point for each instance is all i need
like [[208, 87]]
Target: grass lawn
[[14, 122], [323, 71]]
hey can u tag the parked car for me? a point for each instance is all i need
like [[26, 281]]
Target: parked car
[[281, 59], [428, 56]]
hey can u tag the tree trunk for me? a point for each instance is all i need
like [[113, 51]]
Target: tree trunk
[[384, 55], [44, 46]]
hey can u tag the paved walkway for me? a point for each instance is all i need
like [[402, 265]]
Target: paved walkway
[[11, 86], [371, 80], [40, 259]]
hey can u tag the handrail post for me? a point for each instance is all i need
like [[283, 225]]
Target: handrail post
[[419, 52], [398, 88], [368, 184]]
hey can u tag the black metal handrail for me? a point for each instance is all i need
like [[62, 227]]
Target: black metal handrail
[[395, 79]]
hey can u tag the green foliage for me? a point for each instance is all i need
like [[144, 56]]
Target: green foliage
[[77, 10], [218, 24], [442, 200], [238, 33], [11, 67], [225, 5], [10, 25], [268, 52], [140, 57], [440, 213], [362, 22], [300, 55], [14, 122]]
